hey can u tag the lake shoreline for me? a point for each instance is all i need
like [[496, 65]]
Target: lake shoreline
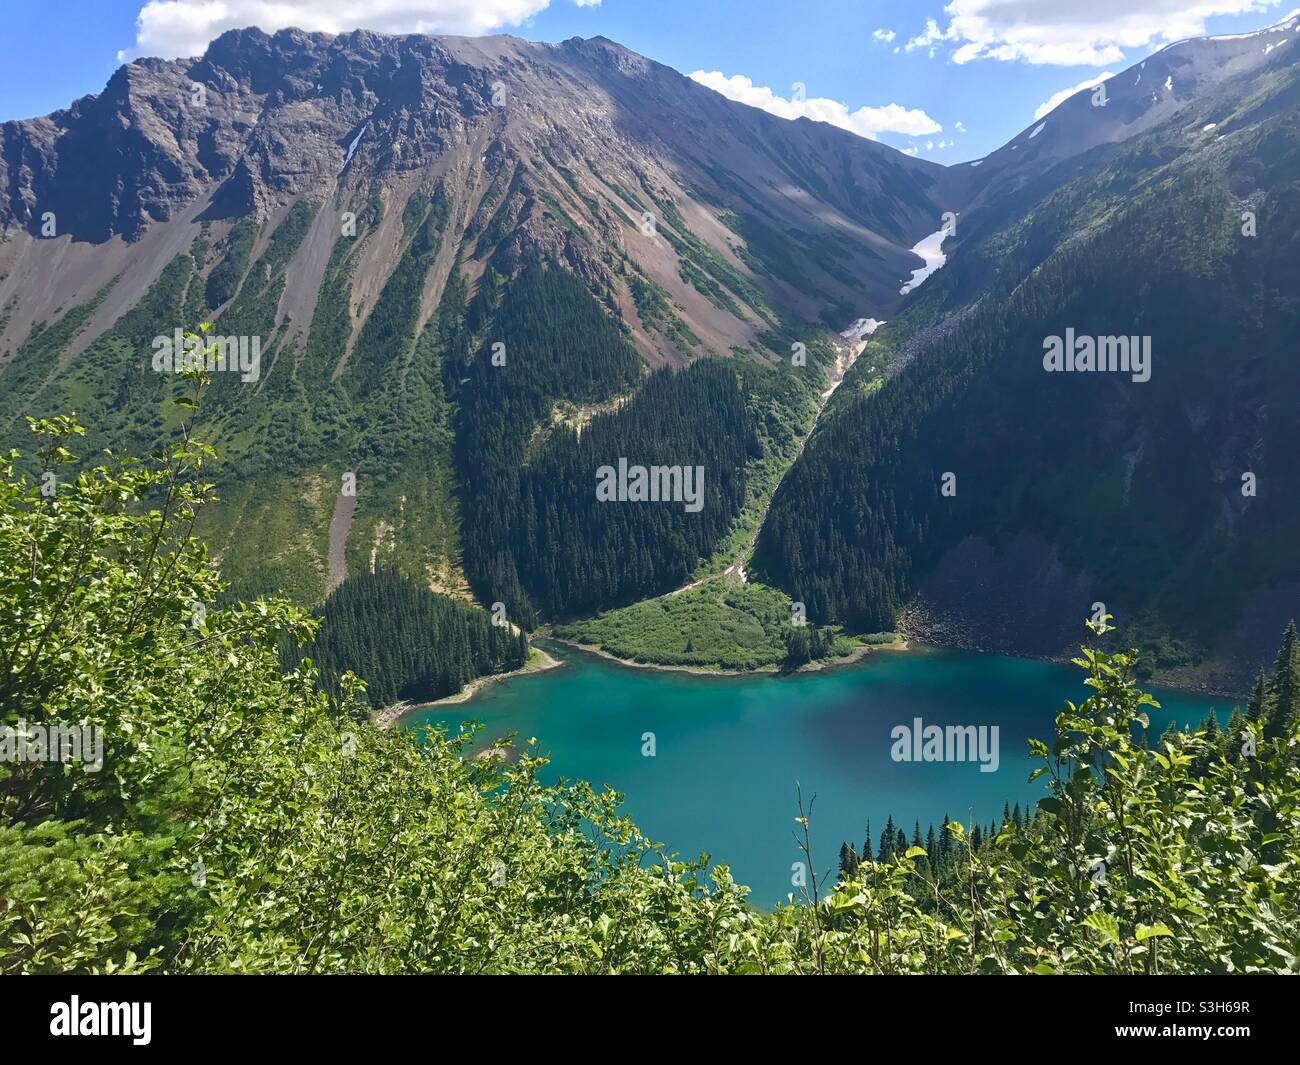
[[904, 644], [853, 658], [1177, 682], [392, 715]]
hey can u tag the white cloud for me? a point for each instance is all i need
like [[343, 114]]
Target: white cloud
[[171, 28], [865, 121], [931, 36], [884, 35], [1071, 32], [959, 127], [1056, 98]]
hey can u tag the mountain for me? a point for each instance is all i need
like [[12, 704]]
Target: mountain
[[379, 212], [1134, 101], [979, 499], [585, 137]]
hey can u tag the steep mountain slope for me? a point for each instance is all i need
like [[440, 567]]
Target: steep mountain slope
[[998, 502], [1131, 103], [452, 254], [568, 144]]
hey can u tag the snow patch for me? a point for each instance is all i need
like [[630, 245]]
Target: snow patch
[[931, 250], [1208, 126], [862, 328], [977, 162], [352, 148], [1037, 130]]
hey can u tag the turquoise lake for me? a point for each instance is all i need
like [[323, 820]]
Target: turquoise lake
[[729, 750]]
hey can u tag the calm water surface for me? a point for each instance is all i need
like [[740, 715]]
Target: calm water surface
[[729, 750]]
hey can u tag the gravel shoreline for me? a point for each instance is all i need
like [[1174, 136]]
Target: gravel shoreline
[[857, 655], [392, 715]]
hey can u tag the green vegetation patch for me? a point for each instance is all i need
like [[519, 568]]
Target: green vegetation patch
[[721, 624], [224, 280]]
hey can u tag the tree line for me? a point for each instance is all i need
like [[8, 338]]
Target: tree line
[[405, 641]]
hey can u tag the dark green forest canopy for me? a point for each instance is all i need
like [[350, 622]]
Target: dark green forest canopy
[[404, 641], [536, 538]]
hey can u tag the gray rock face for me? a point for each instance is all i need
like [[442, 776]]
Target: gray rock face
[[261, 120], [1135, 100]]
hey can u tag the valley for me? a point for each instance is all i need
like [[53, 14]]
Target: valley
[[604, 512], [431, 295]]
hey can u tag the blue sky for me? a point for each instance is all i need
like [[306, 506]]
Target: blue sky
[[986, 64]]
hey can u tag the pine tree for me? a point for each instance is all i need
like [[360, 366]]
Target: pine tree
[[945, 843], [1213, 744], [1231, 739], [1257, 707], [798, 647], [887, 840], [1285, 686]]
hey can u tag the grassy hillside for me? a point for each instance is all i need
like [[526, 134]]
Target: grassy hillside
[[720, 624]]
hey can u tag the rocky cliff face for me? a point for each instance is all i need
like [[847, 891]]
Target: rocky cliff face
[[569, 150], [1130, 103], [327, 193]]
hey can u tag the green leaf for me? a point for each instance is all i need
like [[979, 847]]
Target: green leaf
[[1103, 923]]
